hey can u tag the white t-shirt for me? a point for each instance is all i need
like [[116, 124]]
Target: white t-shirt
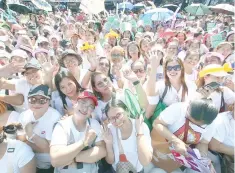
[[174, 117], [13, 118], [191, 77], [21, 156], [100, 109], [172, 96], [129, 146], [61, 134], [22, 87], [43, 129], [224, 131]]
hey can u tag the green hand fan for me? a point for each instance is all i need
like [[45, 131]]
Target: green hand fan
[[134, 106]]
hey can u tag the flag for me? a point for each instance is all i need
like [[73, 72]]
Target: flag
[[92, 6]]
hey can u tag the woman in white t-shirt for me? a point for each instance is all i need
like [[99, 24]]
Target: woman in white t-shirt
[[72, 61], [68, 89], [15, 156], [190, 61], [222, 95], [104, 91], [174, 88], [196, 119], [77, 143], [125, 136]]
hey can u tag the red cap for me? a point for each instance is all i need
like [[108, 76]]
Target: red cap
[[90, 95]]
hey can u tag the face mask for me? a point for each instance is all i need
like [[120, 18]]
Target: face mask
[[4, 38]]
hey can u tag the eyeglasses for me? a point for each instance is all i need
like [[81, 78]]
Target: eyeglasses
[[104, 64], [84, 104], [103, 83], [116, 55], [41, 101], [138, 71], [175, 68], [117, 117], [71, 61]]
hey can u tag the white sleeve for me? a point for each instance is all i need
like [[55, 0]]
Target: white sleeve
[[20, 86], [23, 155], [59, 136], [13, 118], [148, 137], [56, 118], [58, 105], [229, 96], [171, 114]]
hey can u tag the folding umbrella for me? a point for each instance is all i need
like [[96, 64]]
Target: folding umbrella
[[223, 8], [198, 9]]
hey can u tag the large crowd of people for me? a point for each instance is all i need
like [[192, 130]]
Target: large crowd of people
[[64, 82]]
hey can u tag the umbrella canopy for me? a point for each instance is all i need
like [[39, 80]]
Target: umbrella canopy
[[171, 7], [158, 14], [198, 9], [223, 8], [125, 5], [42, 5], [138, 6], [19, 8]]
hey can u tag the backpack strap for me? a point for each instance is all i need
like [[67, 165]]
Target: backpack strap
[[222, 104], [186, 128], [164, 93], [10, 156]]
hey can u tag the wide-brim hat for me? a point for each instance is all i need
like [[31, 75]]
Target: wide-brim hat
[[70, 52]]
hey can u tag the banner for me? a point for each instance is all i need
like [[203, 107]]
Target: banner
[[92, 6]]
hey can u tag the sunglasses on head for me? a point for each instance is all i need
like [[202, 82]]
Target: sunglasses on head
[[175, 68]]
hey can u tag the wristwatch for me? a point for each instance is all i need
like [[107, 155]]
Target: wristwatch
[[136, 82]]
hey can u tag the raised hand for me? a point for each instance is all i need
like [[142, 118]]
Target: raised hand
[[92, 58], [90, 135], [139, 125], [10, 69], [153, 58], [29, 128], [107, 135], [129, 74]]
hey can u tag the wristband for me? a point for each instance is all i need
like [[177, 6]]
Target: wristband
[[136, 82], [138, 135], [30, 138], [91, 70]]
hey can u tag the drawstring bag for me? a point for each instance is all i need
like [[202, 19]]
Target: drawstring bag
[[123, 166]]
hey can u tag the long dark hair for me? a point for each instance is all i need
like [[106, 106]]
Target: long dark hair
[[64, 73], [182, 79]]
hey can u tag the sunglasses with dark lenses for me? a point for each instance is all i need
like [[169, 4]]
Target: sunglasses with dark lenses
[[41, 101], [175, 68]]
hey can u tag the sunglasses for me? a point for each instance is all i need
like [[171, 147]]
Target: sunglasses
[[175, 68], [116, 55], [41, 101]]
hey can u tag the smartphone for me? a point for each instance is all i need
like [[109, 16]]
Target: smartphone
[[209, 87]]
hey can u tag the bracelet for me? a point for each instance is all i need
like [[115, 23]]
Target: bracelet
[[91, 70], [30, 138], [140, 134], [136, 82]]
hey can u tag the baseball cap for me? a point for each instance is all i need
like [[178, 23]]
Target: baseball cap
[[71, 52], [90, 95], [20, 53], [216, 70], [40, 90], [33, 64]]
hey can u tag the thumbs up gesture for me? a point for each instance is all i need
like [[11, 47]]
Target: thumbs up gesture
[[90, 135]]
